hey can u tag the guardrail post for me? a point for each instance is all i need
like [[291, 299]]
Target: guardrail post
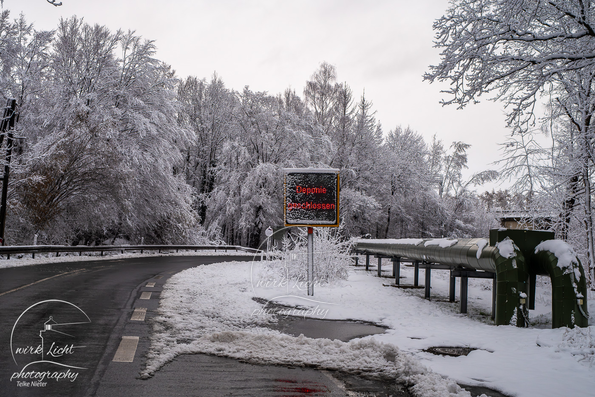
[[494, 298], [367, 261], [428, 278], [397, 269], [453, 286], [356, 260], [464, 292], [415, 273]]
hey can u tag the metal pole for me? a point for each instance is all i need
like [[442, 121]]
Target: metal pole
[[453, 285], [428, 280], [268, 247], [416, 273], [310, 261], [464, 293], [397, 270]]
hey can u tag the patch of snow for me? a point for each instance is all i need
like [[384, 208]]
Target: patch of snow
[[561, 250], [481, 244], [506, 248], [441, 242], [567, 260]]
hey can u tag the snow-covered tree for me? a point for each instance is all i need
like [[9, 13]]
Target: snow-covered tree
[[102, 142], [518, 51]]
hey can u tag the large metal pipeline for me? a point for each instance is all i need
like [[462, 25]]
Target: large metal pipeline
[[504, 258]]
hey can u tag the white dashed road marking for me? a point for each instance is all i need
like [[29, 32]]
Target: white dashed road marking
[[126, 350], [150, 285], [146, 295], [139, 314]]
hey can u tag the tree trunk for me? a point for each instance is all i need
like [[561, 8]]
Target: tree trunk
[[387, 224], [568, 207], [589, 226]]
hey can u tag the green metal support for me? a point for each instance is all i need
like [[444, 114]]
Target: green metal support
[[569, 292], [511, 288]]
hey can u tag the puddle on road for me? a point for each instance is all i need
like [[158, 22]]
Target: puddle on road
[[330, 329]]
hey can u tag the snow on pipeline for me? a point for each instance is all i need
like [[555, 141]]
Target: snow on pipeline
[[210, 310]]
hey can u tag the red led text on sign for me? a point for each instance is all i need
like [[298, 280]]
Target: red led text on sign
[[310, 190], [311, 198], [310, 206]]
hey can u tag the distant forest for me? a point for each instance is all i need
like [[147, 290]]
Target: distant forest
[[112, 145]]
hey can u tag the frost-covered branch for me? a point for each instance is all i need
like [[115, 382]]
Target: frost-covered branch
[[505, 48]]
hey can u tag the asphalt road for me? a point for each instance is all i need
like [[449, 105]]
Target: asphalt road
[[60, 324]]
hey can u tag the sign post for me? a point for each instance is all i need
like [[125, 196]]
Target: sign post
[[310, 261], [311, 200]]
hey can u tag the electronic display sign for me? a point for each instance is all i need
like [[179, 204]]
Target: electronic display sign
[[311, 197]]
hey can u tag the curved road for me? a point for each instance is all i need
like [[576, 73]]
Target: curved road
[[70, 316]]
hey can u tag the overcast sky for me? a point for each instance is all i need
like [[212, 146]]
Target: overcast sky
[[380, 46]]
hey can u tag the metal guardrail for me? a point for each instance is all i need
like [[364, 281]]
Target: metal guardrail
[[42, 249]]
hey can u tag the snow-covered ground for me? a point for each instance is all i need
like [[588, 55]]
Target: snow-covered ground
[[210, 309]]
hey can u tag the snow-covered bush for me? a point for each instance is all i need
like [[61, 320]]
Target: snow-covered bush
[[331, 257]]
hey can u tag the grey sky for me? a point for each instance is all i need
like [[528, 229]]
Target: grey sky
[[382, 46]]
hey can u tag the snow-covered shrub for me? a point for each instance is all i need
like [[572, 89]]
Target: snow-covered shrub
[[331, 257]]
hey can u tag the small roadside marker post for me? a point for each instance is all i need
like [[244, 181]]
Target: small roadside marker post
[[268, 232]]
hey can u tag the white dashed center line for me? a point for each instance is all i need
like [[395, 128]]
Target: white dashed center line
[[145, 295], [150, 285]]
